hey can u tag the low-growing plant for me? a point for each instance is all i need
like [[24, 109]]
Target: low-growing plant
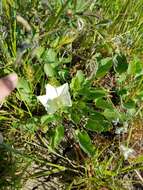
[[87, 57]]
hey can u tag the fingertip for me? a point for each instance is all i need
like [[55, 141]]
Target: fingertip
[[7, 85], [13, 77]]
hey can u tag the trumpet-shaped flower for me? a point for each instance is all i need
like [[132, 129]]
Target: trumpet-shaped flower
[[55, 98]]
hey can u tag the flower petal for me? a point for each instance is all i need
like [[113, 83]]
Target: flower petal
[[127, 152], [62, 89], [43, 99], [65, 99], [52, 106], [51, 92], [64, 95]]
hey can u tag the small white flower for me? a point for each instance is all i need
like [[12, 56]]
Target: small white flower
[[127, 152], [55, 98], [122, 130], [116, 122]]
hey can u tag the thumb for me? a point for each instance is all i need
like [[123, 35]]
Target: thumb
[[7, 84]]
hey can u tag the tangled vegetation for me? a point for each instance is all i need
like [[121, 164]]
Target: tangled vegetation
[[89, 135]]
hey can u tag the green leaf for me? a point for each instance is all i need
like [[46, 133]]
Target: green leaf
[[123, 92], [57, 136], [120, 63], [64, 74], [130, 104], [97, 122], [103, 104], [93, 93], [78, 109], [98, 125], [111, 114], [50, 57], [24, 86], [103, 67], [85, 142], [49, 70], [80, 76], [96, 115], [135, 67], [31, 125], [24, 91], [75, 116], [77, 81], [39, 51], [45, 119]]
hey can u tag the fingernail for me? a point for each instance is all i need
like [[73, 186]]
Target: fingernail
[[13, 77]]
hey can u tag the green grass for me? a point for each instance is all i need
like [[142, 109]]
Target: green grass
[[96, 47]]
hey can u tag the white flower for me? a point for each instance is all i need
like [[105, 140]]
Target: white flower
[[115, 122], [55, 98], [127, 152], [122, 130]]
